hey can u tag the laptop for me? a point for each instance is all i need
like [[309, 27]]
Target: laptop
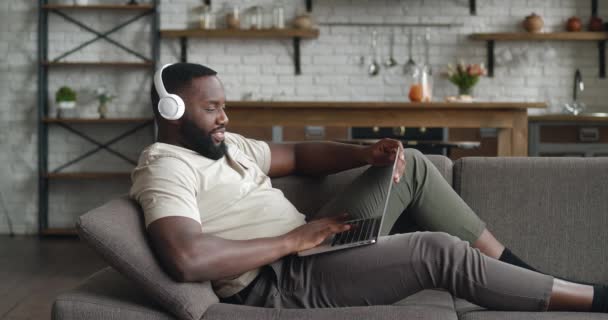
[[363, 231]]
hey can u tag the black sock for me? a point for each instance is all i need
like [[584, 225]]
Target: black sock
[[510, 258], [600, 299]]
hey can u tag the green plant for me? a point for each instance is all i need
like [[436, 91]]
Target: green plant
[[65, 94], [465, 76], [103, 96]]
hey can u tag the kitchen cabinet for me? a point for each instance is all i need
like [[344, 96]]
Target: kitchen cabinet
[[568, 135]]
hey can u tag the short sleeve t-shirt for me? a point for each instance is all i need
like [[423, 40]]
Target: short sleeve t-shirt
[[231, 197]]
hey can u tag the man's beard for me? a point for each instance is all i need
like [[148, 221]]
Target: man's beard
[[202, 142]]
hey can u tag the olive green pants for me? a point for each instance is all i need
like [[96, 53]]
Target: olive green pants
[[405, 263]]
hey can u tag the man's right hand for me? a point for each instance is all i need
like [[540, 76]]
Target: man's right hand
[[310, 235]]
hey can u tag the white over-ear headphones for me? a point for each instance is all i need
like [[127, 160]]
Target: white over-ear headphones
[[170, 106]]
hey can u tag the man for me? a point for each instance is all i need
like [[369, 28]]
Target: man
[[212, 215]]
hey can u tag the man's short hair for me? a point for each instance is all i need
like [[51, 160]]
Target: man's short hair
[[178, 77]]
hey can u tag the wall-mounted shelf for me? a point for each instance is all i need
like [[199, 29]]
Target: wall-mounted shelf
[[95, 120], [87, 175], [98, 64], [139, 7], [491, 39], [295, 34], [396, 24]]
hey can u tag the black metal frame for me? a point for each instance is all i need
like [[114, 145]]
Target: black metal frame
[[101, 35], [43, 95], [183, 43], [100, 145], [601, 53]]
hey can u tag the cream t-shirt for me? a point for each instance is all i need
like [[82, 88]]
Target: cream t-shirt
[[231, 197]]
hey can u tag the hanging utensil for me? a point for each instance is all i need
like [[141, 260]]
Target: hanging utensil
[[410, 68], [374, 67], [427, 45], [391, 62]]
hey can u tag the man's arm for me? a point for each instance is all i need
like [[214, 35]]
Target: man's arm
[[188, 255], [321, 158]]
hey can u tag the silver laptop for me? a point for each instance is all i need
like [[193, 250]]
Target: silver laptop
[[362, 232]]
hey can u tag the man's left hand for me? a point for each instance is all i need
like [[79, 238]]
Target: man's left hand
[[383, 153]]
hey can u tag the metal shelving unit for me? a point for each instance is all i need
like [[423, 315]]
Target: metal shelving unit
[[45, 64]]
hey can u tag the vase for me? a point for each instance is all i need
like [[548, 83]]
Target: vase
[[102, 110], [465, 91]]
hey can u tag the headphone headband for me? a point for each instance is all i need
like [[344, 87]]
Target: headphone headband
[[158, 82]]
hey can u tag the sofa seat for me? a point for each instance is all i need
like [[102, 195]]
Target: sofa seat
[[109, 295]]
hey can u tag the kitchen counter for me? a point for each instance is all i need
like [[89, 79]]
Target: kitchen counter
[[560, 117], [510, 118]]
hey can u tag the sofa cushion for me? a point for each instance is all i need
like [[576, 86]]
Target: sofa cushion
[[552, 212], [116, 231], [107, 295]]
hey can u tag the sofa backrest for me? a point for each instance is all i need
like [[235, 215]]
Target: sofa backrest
[[552, 212], [308, 194]]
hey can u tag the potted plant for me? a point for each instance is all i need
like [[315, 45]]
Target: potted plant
[[65, 98], [103, 97], [465, 77]]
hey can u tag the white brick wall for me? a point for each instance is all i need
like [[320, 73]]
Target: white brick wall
[[330, 66]]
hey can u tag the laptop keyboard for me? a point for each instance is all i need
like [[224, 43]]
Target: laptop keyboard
[[360, 230]]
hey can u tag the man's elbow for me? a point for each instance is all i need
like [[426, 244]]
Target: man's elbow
[[181, 267]]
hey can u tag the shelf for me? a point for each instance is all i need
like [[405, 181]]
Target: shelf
[[58, 232], [98, 64], [87, 175], [77, 15], [140, 7], [527, 36], [95, 120], [295, 34], [491, 38], [241, 33]]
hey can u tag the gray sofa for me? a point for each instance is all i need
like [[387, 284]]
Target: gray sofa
[[553, 212]]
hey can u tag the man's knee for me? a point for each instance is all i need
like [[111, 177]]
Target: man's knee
[[413, 154], [439, 245]]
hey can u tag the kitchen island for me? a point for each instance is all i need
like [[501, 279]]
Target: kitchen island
[[510, 118]]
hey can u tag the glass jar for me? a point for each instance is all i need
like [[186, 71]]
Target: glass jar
[[233, 20], [255, 17], [206, 19], [421, 85], [278, 17]]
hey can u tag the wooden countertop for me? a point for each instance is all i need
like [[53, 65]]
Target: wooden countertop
[[567, 118], [383, 105]]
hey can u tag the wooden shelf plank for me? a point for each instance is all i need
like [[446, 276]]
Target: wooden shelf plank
[[526, 36], [59, 232], [139, 7], [97, 64], [381, 105], [96, 120], [240, 33], [87, 175]]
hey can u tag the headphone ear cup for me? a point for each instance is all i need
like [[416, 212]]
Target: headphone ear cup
[[171, 107]]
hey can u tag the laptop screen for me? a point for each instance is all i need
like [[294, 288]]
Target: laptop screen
[[388, 192]]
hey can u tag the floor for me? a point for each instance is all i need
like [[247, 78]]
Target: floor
[[33, 271]]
